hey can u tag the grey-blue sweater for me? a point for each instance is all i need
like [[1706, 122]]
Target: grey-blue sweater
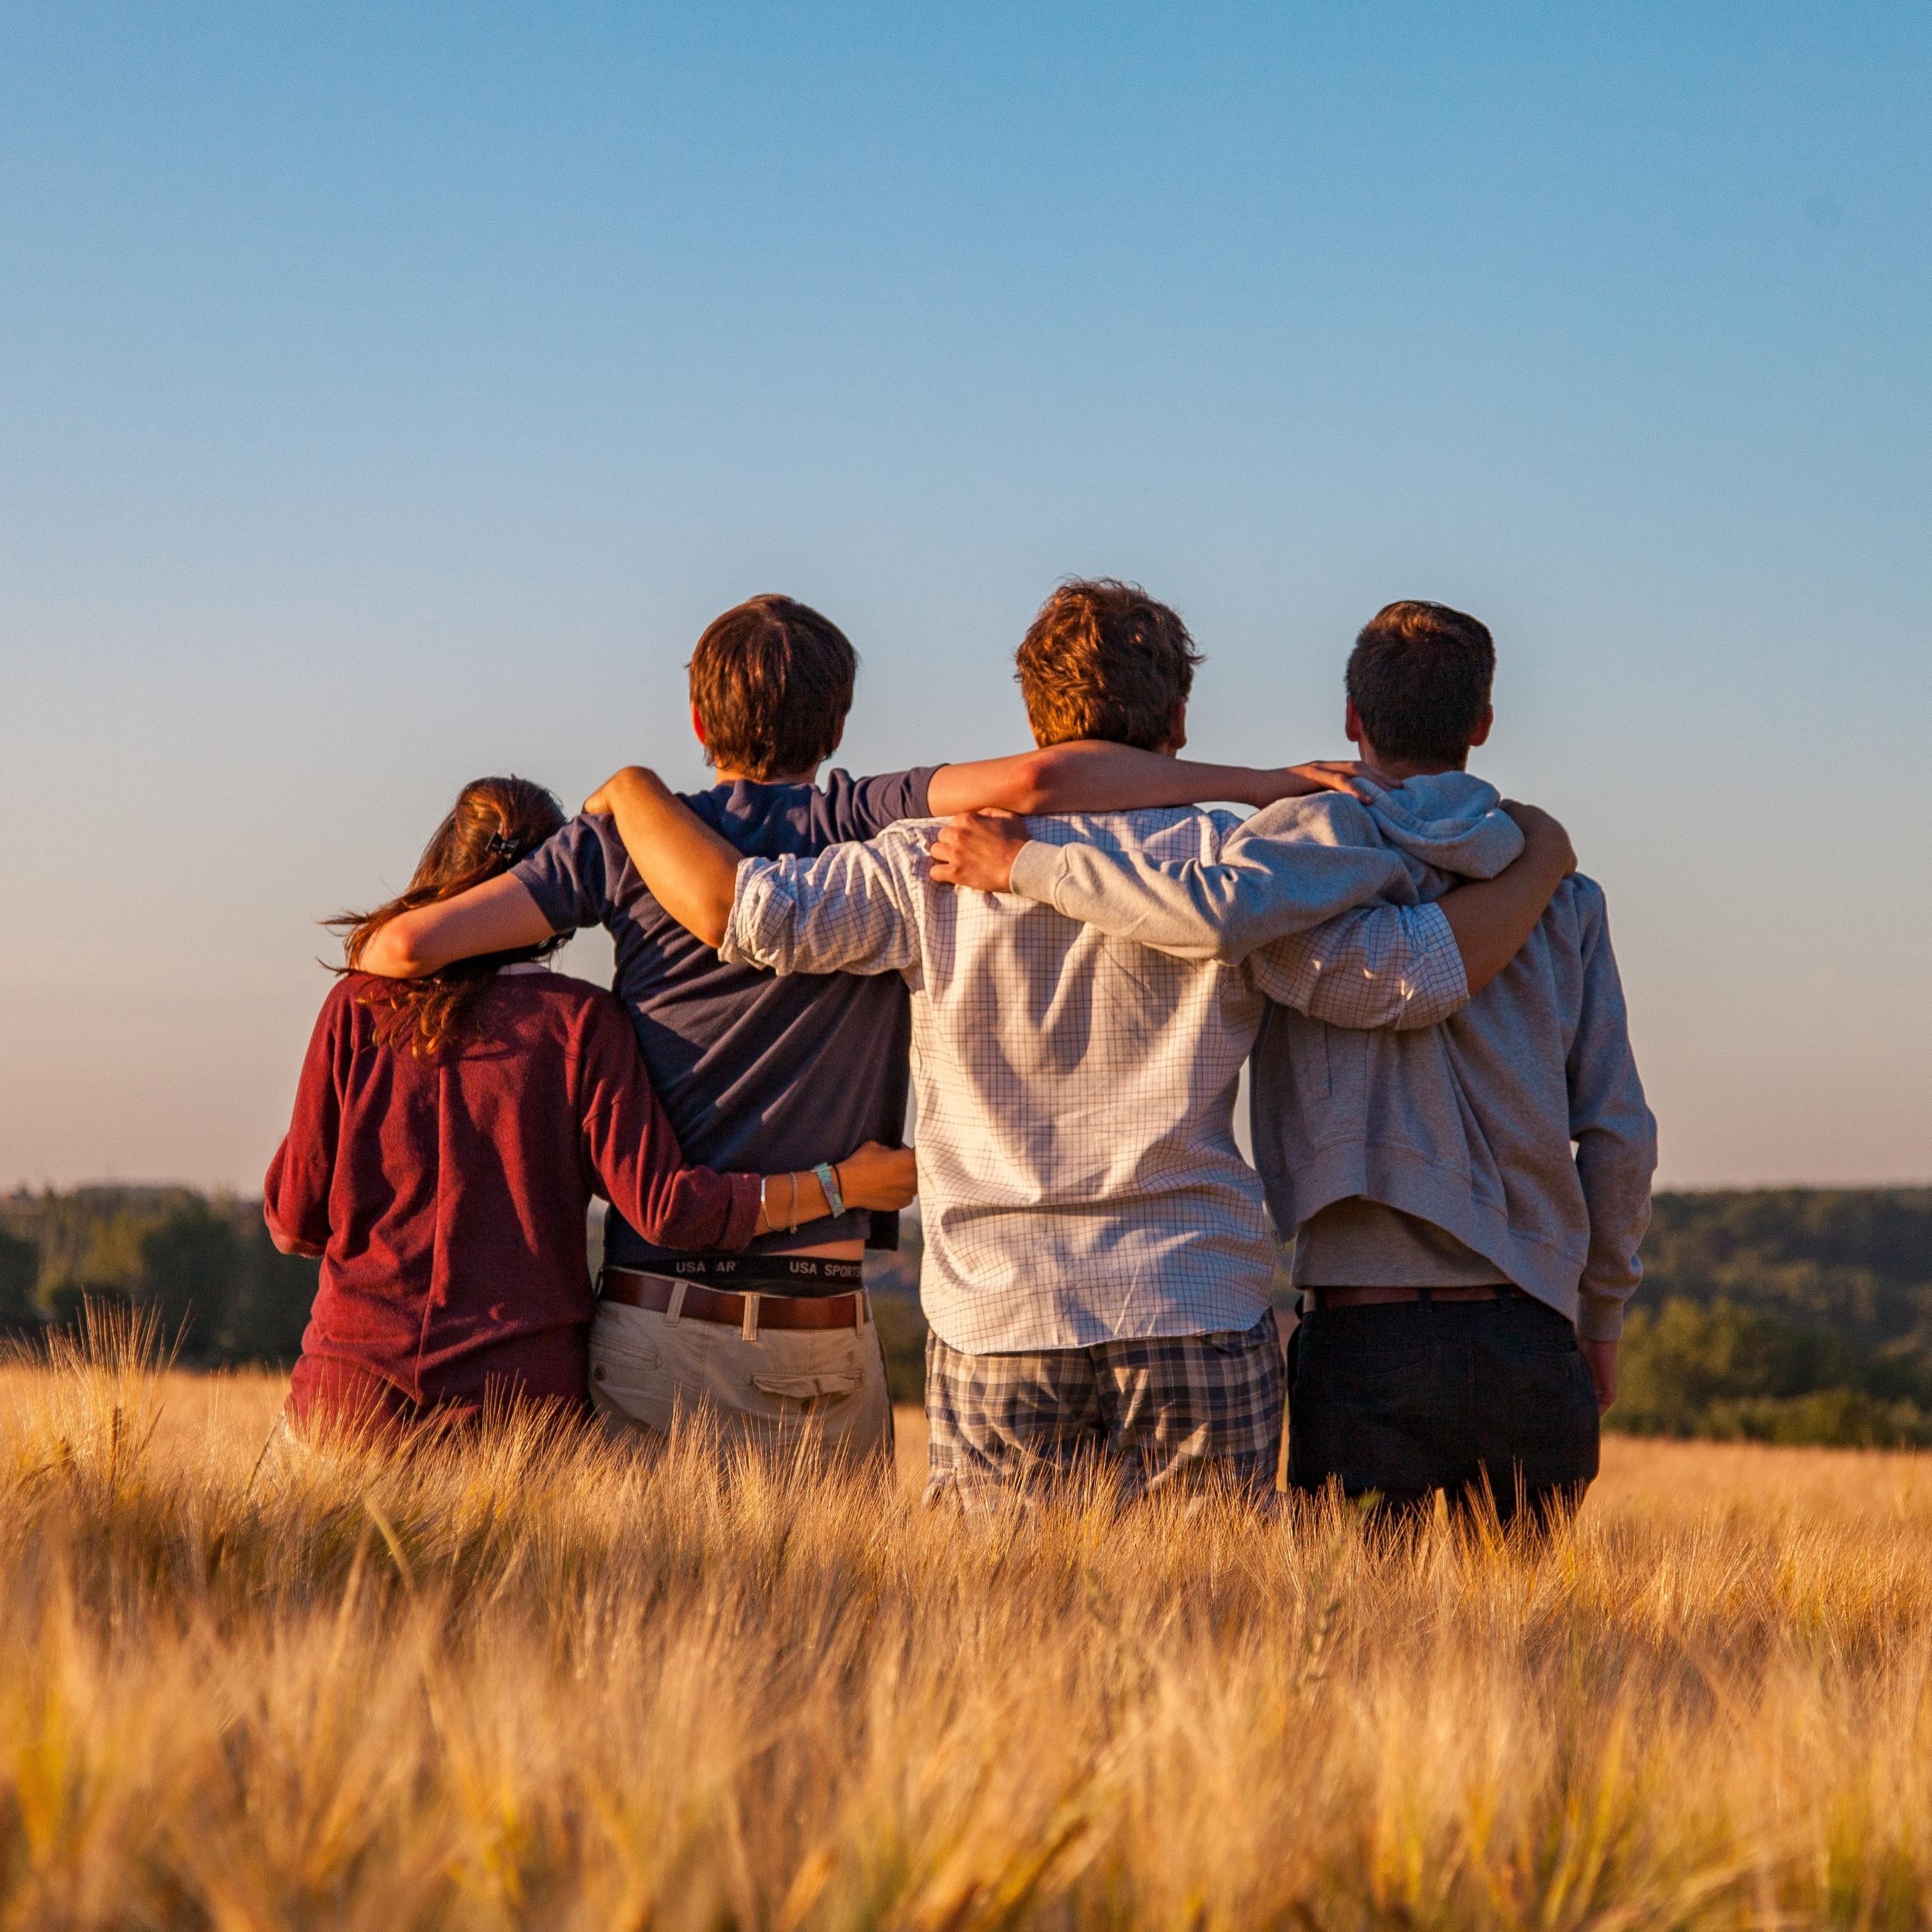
[[1518, 1125]]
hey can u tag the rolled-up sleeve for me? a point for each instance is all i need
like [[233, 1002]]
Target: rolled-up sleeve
[[1378, 966], [848, 910]]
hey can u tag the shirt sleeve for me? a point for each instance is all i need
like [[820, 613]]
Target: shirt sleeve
[[294, 1195], [1378, 966], [1285, 870], [571, 876], [631, 1151], [848, 910], [1614, 1130], [861, 809]]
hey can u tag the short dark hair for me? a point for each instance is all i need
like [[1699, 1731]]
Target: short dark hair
[[772, 682], [1103, 660], [1419, 678]]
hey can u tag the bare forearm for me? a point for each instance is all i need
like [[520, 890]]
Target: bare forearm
[[1493, 917], [1092, 776], [788, 1201], [499, 915], [690, 870]]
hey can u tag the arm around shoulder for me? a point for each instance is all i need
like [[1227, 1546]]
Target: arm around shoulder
[[690, 870], [1090, 775], [1492, 918], [499, 915], [1289, 869], [852, 909]]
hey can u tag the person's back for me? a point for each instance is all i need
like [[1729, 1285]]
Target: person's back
[[448, 1136], [1468, 1125], [1079, 1177], [446, 1193], [755, 1070], [1464, 1271], [1098, 1262]]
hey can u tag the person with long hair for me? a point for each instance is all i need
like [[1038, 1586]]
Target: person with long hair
[[449, 1133]]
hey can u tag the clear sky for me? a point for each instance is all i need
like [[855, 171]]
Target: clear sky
[[389, 395]]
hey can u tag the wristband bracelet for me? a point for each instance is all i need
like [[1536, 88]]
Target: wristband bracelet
[[828, 1179]]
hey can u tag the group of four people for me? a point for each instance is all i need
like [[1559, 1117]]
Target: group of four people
[[1073, 963]]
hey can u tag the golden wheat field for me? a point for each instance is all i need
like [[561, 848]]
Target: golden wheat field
[[533, 1683]]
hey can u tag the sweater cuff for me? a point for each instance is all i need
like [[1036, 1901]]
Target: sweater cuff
[[742, 1222], [1600, 1317], [1037, 867]]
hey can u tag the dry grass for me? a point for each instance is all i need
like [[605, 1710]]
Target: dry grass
[[535, 1684]]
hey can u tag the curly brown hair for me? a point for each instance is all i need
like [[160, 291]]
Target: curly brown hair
[[494, 822], [1103, 660]]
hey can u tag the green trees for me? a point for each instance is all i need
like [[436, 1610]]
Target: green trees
[[1787, 1315], [207, 1268], [19, 1274], [1790, 1315]]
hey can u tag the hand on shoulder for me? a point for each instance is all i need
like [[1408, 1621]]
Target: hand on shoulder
[[1544, 840], [629, 782], [1346, 776], [977, 849]]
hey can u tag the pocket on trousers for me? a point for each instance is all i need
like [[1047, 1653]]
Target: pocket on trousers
[[828, 1385], [1551, 1426]]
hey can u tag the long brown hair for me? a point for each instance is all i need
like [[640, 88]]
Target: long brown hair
[[494, 822]]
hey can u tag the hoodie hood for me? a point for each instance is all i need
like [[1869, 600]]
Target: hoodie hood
[[1449, 822]]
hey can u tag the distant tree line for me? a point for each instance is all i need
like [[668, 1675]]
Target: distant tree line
[[1785, 1314], [206, 1267], [1794, 1315]]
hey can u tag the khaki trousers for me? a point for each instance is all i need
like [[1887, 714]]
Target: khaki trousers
[[778, 1389]]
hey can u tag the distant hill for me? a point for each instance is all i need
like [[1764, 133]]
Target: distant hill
[[1785, 1314]]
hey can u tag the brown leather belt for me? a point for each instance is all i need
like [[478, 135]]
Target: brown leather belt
[[709, 1304], [1375, 1297]]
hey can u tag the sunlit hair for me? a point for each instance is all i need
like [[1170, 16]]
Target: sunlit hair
[[1103, 660], [494, 822]]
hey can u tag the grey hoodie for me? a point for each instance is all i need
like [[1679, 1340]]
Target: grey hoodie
[[1518, 1125]]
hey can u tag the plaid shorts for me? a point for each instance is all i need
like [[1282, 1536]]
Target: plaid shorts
[[1159, 1410]]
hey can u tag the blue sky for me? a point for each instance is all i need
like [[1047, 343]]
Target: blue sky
[[391, 396]]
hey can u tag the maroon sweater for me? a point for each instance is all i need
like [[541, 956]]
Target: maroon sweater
[[448, 1197]]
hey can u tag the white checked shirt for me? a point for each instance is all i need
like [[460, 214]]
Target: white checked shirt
[[1078, 1176]]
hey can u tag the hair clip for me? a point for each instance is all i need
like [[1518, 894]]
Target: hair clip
[[506, 849]]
